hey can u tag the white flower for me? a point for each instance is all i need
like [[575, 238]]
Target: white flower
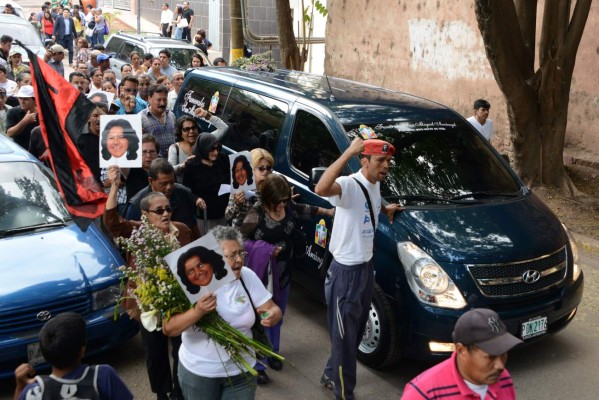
[[150, 320]]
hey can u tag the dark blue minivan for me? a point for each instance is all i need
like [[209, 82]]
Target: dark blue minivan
[[48, 265], [472, 234]]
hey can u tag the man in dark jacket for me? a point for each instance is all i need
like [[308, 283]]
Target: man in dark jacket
[[64, 32]]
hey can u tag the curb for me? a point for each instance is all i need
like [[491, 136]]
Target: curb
[[586, 243], [570, 160]]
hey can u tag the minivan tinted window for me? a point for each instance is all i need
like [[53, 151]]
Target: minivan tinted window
[[254, 120], [311, 143], [441, 161]]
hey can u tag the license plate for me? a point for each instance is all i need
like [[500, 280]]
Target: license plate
[[34, 354], [535, 327]]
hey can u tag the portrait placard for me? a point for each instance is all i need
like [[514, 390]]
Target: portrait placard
[[200, 267], [101, 97], [242, 175], [120, 141]]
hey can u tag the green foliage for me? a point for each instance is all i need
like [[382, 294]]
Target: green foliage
[[321, 8], [257, 62]]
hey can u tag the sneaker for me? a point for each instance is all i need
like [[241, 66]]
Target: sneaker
[[275, 363], [262, 378], [327, 382]]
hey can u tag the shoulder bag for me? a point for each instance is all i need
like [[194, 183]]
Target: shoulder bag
[[183, 23], [258, 331]]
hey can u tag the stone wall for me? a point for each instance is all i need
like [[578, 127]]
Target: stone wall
[[434, 49]]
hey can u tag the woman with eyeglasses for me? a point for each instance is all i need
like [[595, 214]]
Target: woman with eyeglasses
[[186, 134], [239, 203], [205, 368], [205, 175], [83, 54], [157, 211], [272, 220]]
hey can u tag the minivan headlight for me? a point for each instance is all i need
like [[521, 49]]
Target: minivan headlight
[[428, 281], [576, 270], [106, 297]]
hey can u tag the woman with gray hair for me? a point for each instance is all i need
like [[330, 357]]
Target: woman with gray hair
[[206, 370]]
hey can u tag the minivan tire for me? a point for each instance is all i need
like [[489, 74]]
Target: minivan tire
[[381, 344]]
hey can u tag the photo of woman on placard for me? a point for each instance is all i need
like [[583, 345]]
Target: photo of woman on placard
[[198, 266], [241, 172], [119, 141]]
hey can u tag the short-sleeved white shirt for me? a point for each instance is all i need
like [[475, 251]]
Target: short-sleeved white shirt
[[486, 130], [205, 358], [352, 240]]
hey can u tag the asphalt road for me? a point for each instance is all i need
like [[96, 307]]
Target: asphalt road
[[564, 366]]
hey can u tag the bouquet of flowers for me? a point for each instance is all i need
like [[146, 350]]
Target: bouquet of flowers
[[258, 62], [159, 296]]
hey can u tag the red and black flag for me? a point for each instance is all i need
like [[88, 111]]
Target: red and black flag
[[63, 113]]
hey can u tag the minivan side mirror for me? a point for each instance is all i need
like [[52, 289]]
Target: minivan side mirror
[[315, 176]]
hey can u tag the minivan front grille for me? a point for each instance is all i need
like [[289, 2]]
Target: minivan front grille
[[520, 278], [25, 319]]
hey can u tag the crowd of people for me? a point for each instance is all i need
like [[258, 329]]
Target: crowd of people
[[179, 190]]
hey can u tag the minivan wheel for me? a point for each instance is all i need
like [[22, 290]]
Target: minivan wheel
[[380, 344]]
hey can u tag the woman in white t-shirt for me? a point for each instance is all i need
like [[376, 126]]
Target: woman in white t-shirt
[[205, 369]]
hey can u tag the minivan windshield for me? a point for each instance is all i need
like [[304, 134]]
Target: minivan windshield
[[441, 163], [28, 198]]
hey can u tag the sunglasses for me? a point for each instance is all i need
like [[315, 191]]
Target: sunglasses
[[216, 147], [130, 90], [191, 128], [263, 168], [161, 211]]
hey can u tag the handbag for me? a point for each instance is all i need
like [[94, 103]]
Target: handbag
[[183, 23], [258, 331], [106, 29]]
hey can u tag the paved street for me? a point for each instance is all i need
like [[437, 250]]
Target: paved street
[[565, 366]]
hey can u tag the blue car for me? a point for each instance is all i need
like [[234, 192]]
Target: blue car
[[49, 265]]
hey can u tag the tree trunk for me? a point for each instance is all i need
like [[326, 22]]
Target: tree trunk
[[537, 100], [290, 53], [236, 30]]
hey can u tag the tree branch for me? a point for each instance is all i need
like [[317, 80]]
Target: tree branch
[[527, 19], [547, 45], [575, 30], [504, 44]]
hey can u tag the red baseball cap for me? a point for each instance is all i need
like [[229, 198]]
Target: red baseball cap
[[378, 147]]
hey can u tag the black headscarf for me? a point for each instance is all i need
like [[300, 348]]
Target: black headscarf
[[204, 144]]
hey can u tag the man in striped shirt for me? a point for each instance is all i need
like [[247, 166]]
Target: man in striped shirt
[[476, 369]]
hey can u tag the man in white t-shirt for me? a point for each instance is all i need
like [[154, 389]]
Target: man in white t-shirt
[[480, 120], [5, 83], [350, 279], [166, 20]]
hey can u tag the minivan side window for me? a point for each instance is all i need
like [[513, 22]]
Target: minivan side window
[[311, 143], [203, 93], [114, 45], [254, 121]]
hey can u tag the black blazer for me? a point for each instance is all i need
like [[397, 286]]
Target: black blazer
[[60, 25]]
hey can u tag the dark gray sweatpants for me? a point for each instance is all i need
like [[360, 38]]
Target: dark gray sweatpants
[[348, 291]]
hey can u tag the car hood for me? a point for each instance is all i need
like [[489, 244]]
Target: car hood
[[45, 266], [494, 232]]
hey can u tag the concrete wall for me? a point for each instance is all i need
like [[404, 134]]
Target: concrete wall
[[434, 49]]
